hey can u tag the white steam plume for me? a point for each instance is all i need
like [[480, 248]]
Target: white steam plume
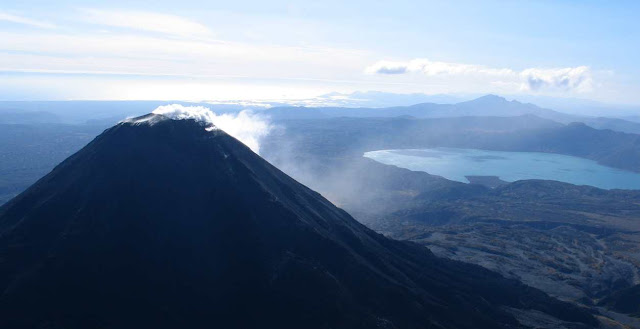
[[246, 126]]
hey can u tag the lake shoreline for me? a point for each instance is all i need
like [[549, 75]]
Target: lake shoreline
[[495, 168]]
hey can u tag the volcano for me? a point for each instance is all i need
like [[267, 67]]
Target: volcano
[[162, 223]]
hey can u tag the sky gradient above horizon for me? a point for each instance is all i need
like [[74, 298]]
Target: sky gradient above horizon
[[211, 50]]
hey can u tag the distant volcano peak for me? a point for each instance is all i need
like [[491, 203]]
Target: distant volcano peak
[[490, 98]]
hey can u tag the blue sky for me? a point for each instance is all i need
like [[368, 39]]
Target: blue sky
[[215, 50]]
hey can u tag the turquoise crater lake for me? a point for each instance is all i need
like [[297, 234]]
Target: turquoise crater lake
[[455, 164]]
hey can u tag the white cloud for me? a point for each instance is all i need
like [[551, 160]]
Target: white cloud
[[571, 78], [25, 21], [154, 55], [432, 68], [246, 126], [182, 60], [388, 67], [147, 21], [577, 79], [179, 61]]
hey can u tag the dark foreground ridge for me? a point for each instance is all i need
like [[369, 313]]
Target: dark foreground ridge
[[158, 223]]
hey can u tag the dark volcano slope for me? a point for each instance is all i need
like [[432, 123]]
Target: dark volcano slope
[[158, 223], [624, 301]]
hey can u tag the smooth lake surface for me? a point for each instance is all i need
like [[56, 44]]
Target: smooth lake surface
[[455, 164]]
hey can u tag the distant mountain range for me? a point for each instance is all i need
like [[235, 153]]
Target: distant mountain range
[[489, 105], [438, 106], [161, 223], [486, 106]]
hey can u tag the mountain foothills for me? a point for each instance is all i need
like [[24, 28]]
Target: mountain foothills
[[577, 243], [165, 223]]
